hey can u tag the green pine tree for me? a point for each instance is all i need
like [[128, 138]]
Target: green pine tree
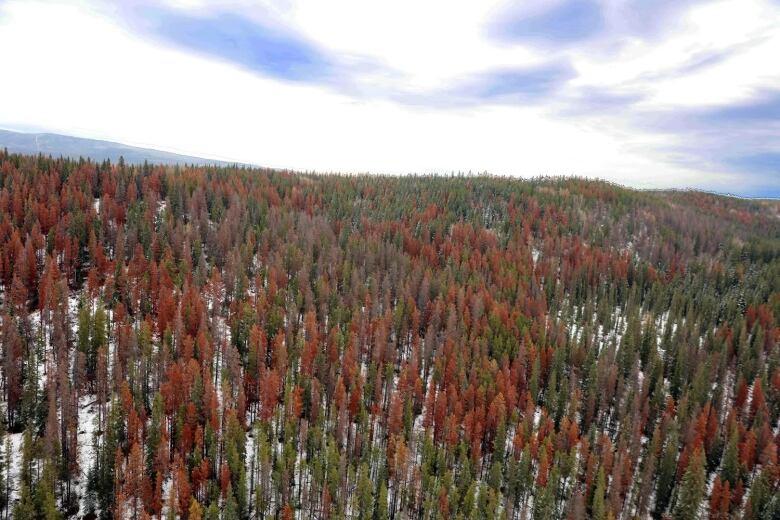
[[760, 496], [230, 511], [4, 458], [25, 507], [730, 467], [45, 497], [692, 489], [381, 503], [365, 504], [599, 508], [544, 505], [667, 468]]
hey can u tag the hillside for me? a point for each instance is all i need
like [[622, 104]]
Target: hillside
[[57, 145], [229, 342]]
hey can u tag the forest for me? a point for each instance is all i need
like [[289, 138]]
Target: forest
[[242, 343]]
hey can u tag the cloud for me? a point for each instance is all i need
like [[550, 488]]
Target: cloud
[[764, 164], [688, 99], [753, 117], [519, 84], [704, 60], [759, 173], [701, 61], [764, 109], [528, 86], [742, 139], [589, 101], [753, 174], [263, 48], [647, 19], [563, 23]]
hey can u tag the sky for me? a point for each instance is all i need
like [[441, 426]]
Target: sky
[[647, 93]]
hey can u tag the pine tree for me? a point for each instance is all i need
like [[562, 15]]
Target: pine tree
[[102, 475], [25, 507], [7, 478], [97, 342], [487, 503], [692, 489], [667, 469], [4, 463], [31, 391], [230, 511], [730, 468], [212, 513], [599, 509], [544, 505], [45, 498], [133, 477], [381, 503], [154, 434], [760, 496], [84, 328], [196, 511], [364, 499]]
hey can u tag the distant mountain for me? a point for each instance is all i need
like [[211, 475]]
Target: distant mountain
[[63, 145]]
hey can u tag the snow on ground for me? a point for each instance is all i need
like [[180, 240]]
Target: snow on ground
[[86, 435], [73, 309], [14, 464]]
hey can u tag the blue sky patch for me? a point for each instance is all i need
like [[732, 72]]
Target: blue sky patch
[[567, 22], [232, 38], [517, 83]]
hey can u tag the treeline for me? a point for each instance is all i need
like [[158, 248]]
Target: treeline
[[244, 343]]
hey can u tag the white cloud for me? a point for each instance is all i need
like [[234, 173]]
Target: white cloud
[[76, 70]]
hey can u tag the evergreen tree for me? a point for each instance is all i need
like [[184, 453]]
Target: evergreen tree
[[25, 507], [5, 454], [667, 468], [230, 512], [692, 489], [544, 505], [759, 506], [381, 503], [365, 504], [730, 466], [45, 498], [599, 508], [195, 511]]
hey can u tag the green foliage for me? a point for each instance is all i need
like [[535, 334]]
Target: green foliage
[[692, 489]]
